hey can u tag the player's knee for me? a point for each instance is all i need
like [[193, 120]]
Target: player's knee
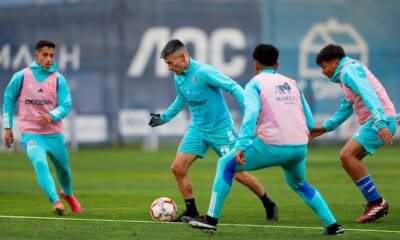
[[40, 166], [178, 170], [345, 157], [239, 177]]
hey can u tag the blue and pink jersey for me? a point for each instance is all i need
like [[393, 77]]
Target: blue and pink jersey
[[267, 96], [363, 94], [38, 90]]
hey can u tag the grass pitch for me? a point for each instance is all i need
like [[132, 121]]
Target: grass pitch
[[117, 186]]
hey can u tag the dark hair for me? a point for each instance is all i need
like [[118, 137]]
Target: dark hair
[[330, 52], [171, 47], [44, 43], [266, 54]]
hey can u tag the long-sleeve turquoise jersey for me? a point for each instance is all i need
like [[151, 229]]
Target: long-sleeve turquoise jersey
[[354, 77], [200, 87], [13, 91], [253, 109]]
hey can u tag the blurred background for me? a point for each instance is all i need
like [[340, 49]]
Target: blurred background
[[109, 53]]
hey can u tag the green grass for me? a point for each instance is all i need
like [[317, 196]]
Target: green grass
[[120, 184]]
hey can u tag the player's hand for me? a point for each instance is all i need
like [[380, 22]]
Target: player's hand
[[318, 131], [239, 157], [43, 119], [155, 120], [8, 137], [386, 136]]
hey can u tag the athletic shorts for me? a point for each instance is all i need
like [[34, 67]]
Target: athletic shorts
[[197, 142], [368, 136]]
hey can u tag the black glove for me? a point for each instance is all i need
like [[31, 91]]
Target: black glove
[[155, 120]]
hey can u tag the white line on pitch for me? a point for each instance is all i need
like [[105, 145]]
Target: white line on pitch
[[153, 222]]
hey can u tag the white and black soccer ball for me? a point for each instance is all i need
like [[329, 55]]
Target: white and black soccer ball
[[163, 209]]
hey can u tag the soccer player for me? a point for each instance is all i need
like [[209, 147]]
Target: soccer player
[[282, 117], [364, 95], [44, 99], [199, 85]]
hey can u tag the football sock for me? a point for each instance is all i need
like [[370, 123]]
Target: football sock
[[368, 189], [191, 207], [266, 201], [211, 220]]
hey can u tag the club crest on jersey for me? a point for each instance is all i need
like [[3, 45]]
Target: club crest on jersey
[[195, 79], [51, 87], [282, 89]]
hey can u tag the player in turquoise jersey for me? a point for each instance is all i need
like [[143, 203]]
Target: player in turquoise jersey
[[44, 100], [367, 98], [199, 85]]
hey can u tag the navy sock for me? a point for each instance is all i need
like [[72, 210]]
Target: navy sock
[[266, 201], [191, 207], [368, 189]]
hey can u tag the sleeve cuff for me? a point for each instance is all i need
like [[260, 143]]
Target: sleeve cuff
[[327, 127], [381, 125]]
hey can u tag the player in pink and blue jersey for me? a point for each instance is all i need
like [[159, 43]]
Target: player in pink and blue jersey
[[275, 109], [365, 96], [44, 100]]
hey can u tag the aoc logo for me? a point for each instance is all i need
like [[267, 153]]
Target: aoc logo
[[211, 49]]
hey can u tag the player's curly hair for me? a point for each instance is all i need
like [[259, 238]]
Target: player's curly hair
[[266, 54], [330, 52]]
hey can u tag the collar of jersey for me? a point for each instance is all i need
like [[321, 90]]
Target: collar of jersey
[[190, 68], [268, 70], [336, 76]]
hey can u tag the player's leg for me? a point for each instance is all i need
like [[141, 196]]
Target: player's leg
[[257, 156], [223, 142], [36, 148], [226, 169], [192, 146], [364, 142], [295, 172], [59, 156]]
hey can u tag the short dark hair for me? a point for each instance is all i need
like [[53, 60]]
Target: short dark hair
[[266, 54], [44, 43], [171, 47], [330, 52]]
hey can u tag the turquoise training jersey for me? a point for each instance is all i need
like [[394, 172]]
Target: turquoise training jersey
[[200, 87], [253, 109], [13, 91], [354, 78]]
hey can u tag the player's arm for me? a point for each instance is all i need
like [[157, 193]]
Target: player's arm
[[173, 110], [355, 78], [64, 100], [342, 114], [307, 112], [252, 111], [11, 95], [215, 78]]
